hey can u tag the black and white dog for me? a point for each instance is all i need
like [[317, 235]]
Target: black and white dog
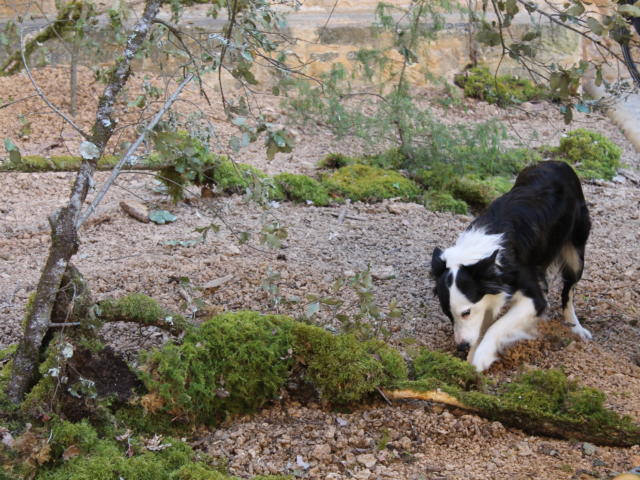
[[503, 257]]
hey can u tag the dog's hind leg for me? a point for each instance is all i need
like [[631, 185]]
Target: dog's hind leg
[[573, 264]]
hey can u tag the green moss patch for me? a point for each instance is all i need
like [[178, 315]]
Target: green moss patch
[[439, 201], [592, 155], [77, 453], [302, 189], [344, 369], [334, 161], [478, 192], [371, 184], [139, 308], [237, 362], [479, 82]]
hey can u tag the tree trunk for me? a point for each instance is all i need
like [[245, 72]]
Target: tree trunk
[[64, 233]]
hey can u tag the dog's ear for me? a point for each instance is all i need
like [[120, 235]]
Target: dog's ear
[[485, 268], [438, 265]]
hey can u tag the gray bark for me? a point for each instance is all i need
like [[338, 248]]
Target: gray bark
[[64, 234]]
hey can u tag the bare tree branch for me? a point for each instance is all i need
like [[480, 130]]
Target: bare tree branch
[[116, 170]]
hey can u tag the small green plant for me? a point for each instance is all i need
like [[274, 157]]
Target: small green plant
[[479, 82], [300, 188], [592, 154], [366, 183]]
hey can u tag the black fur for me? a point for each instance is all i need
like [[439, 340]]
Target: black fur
[[543, 212]]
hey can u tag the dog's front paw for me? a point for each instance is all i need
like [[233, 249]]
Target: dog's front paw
[[582, 332], [484, 357]]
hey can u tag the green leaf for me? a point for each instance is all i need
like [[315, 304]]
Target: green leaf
[[568, 114], [489, 37], [527, 37], [512, 7], [575, 10], [312, 309], [630, 10], [595, 26], [161, 217]]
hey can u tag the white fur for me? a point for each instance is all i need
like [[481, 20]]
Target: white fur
[[472, 246], [517, 324], [468, 330], [571, 319]]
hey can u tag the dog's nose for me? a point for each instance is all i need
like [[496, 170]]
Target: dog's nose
[[463, 349]]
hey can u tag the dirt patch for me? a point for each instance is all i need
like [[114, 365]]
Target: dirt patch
[[119, 255]]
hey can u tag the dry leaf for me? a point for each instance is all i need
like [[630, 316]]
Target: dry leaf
[[70, 452]]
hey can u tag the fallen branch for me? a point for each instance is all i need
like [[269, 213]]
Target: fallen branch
[[529, 421]]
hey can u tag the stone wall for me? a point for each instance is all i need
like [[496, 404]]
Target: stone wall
[[349, 30]]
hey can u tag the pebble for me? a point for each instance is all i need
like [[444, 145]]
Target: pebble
[[367, 459], [321, 452], [383, 273], [588, 448]]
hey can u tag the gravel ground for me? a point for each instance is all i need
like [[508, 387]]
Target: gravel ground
[[120, 255]]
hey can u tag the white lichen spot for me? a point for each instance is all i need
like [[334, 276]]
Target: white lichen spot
[[106, 123], [89, 151], [53, 372], [169, 320], [67, 351]]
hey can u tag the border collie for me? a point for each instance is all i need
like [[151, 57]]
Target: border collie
[[503, 256]]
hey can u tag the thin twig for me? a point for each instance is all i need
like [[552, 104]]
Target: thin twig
[[8, 104], [43, 96], [116, 170]]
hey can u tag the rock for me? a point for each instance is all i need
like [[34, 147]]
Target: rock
[[217, 283], [301, 463], [383, 273], [231, 250], [367, 459], [364, 474], [588, 448], [321, 452], [136, 210]]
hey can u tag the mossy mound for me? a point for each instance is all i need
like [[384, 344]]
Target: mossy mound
[[302, 189], [592, 155], [371, 184], [237, 362], [446, 369], [439, 201], [480, 83], [233, 363], [477, 192], [344, 369]]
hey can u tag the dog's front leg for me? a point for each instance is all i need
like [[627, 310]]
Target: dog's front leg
[[516, 324]]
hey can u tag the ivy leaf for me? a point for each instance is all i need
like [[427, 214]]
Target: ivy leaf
[[630, 10], [488, 37], [161, 217], [312, 309], [527, 37], [14, 151], [575, 10], [595, 26]]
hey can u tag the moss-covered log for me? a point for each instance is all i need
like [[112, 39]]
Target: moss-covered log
[[540, 402], [143, 310], [70, 163]]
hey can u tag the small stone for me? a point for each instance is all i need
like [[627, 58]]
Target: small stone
[[588, 448], [321, 452], [383, 273], [301, 463], [342, 422], [367, 459], [364, 474], [135, 210], [231, 250]]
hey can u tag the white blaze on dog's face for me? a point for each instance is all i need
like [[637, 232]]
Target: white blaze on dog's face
[[465, 284]]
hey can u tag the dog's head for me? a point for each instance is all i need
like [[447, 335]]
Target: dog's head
[[467, 293]]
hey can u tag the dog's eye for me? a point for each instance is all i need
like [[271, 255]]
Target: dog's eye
[[466, 313]]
